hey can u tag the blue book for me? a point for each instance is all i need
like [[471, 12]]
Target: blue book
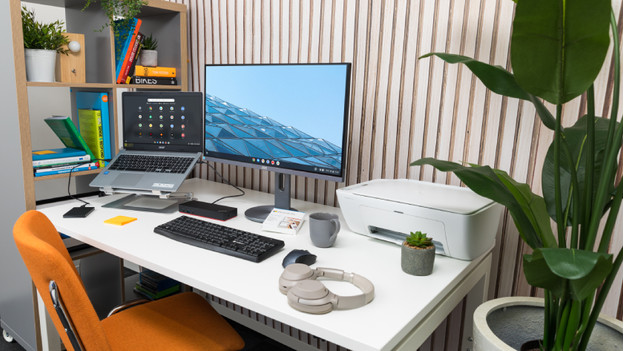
[[98, 101], [122, 41], [47, 154], [67, 169]]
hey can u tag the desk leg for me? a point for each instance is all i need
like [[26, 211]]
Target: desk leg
[[474, 298]]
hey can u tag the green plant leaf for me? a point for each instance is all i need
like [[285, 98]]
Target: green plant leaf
[[575, 138], [558, 46], [527, 209], [500, 82], [576, 272]]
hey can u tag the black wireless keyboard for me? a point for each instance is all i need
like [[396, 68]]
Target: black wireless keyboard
[[219, 238]]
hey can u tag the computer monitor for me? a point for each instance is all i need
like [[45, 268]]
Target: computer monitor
[[287, 118]]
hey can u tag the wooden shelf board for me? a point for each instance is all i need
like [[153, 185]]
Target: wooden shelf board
[[70, 85]]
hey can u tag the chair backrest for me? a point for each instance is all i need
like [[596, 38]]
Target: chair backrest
[[47, 259]]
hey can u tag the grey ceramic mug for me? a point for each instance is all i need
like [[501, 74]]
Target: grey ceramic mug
[[324, 228]]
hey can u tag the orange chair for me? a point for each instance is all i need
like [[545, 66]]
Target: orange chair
[[180, 322]]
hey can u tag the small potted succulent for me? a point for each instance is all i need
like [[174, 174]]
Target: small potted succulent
[[149, 55], [417, 254], [41, 44]]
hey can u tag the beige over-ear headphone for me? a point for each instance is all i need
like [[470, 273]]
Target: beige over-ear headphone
[[306, 294]]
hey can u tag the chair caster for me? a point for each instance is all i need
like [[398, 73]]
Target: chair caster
[[6, 336]]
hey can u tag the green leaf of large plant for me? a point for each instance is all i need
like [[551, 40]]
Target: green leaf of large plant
[[575, 272], [527, 209], [499, 81], [575, 139], [558, 46]]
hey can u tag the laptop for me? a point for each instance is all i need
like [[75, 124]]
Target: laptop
[[162, 140]]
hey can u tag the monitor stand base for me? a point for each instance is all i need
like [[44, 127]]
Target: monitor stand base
[[282, 200]]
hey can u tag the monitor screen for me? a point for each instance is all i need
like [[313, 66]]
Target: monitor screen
[[287, 118], [161, 120]]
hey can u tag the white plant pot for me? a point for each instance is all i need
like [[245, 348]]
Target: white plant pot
[[40, 65], [149, 58], [504, 324]]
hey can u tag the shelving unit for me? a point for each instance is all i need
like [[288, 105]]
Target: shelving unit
[[166, 21]]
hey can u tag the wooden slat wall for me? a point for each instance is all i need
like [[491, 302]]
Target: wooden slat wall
[[401, 108]]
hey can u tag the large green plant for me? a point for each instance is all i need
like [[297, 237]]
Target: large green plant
[[38, 35], [557, 50]]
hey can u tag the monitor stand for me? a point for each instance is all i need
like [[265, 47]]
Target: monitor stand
[[282, 200]]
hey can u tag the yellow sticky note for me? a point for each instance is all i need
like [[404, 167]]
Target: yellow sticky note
[[44, 152], [120, 220]]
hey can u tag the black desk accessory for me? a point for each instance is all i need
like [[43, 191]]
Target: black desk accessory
[[78, 212], [208, 210]]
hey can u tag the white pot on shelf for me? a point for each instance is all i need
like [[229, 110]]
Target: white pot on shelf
[[504, 324], [40, 65], [149, 58]]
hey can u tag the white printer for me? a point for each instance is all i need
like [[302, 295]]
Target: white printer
[[461, 223]]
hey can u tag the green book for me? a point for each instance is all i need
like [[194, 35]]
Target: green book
[[64, 128], [156, 295], [90, 123]]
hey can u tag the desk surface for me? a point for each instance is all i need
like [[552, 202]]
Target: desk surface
[[401, 301]]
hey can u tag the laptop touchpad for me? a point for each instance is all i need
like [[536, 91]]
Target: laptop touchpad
[[124, 180]]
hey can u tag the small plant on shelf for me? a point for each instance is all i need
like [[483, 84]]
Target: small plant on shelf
[[118, 12], [149, 43], [43, 36], [418, 240]]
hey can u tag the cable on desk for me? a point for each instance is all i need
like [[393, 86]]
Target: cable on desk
[[71, 170], [225, 180]]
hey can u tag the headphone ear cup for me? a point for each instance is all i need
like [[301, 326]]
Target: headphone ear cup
[[292, 274], [310, 296]]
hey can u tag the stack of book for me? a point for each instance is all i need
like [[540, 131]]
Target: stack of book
[[127, 48], [49, 161], [154, 75], [63, 160], [155, 286]]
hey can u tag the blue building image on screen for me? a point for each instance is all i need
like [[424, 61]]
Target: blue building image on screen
[[237, 130]]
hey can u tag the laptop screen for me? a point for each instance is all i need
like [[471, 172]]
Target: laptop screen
[[163, 121]]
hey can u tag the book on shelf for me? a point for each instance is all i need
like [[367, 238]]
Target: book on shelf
[[90, 122], [65, 169], [66, 130], [153, 80], [154, 295], [61, 161], [126, 33], [158, 71], [131, 59], [98, 101], [155, 281], [50, 154]]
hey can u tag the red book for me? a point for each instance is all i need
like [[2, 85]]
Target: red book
[[132, 58], [126, 55]]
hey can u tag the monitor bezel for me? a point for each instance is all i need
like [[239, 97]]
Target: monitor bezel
[[343, 169]]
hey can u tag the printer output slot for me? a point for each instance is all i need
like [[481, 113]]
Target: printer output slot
[[398, 237]]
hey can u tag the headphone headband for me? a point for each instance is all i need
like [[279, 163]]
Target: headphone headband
[[306, 294]]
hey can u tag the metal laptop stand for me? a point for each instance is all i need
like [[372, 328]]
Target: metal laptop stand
[[147, 200]]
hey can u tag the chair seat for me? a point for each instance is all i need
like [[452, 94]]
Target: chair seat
[[184, 321]]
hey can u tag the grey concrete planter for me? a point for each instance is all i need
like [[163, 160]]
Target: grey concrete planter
[[504, 324], [417, 261]]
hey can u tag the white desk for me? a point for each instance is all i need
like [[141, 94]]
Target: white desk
[[405, 311]]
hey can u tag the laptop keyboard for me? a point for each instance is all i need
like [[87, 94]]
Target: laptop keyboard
[[151, 163]]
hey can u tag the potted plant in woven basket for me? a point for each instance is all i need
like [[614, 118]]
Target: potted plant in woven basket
[[558, 48], [417, 254]]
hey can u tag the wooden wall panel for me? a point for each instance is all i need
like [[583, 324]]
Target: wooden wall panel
[[401, 108]]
